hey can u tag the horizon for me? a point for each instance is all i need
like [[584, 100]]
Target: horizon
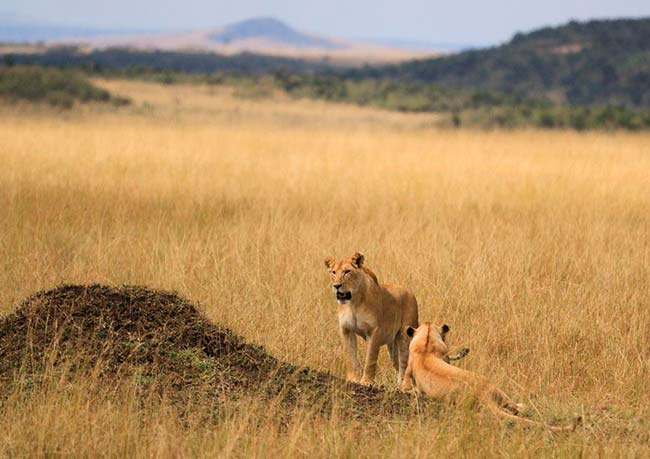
[[450, 26]]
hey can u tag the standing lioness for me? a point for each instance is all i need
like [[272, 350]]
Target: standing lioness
[[379, 313]]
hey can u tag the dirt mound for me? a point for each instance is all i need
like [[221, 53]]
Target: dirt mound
[[163, 341]]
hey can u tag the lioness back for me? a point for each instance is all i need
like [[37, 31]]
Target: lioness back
[[407, 303]]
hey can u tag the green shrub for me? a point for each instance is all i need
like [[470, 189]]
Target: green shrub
[[545, 119], [58, 98], [579, 119], [56, 87]]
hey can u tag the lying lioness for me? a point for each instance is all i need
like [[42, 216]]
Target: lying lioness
[[436, 378]]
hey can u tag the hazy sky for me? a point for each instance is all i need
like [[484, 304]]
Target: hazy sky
[[450, 21]]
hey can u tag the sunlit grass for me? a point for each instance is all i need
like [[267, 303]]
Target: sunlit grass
[[533, 246]]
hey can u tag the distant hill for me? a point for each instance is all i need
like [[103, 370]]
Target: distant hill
[[273, 30], [42, 32], [595, 62], [16, 29], [267, 36]]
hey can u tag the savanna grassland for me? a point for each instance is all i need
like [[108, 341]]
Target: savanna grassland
[[533, 245]]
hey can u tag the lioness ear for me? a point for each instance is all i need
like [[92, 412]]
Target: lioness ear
[[410, 331], [444, 330], [329, 262], [358, 258]]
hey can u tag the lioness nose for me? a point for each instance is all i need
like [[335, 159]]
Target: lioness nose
[[337, 286]]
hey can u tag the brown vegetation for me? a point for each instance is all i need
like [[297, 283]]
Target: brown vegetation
[[532, 245]]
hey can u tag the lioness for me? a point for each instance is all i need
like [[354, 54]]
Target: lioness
[[436, 378], [379, 313]]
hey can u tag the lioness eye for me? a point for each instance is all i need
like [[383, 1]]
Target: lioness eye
[[347, 271], [333, 272]]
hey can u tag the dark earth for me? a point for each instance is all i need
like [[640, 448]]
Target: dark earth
[[166, 346]]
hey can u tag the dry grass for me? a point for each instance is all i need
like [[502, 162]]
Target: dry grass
[[534, 246]]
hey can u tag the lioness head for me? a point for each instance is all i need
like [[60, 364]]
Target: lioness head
[[427, 339], [346, 276]]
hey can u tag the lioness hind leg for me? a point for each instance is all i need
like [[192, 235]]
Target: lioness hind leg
[[403, 355], [406, 384], [394, 354], [504, 402]]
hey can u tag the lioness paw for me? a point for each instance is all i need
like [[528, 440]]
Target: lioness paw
[[460, 354], [406, 387], [366, 381]]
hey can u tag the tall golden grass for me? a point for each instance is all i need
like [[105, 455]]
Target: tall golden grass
[[534, 246]]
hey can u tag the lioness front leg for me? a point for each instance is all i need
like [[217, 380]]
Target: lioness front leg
[[352, 365], [372, 353]]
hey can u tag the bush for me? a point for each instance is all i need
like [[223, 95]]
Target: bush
[[56, 87], [545, 119], [59, 99], [579, 119]]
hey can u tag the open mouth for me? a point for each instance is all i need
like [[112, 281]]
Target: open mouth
[[343, 296]]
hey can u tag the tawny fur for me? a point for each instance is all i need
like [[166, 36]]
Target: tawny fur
[[436, 378], [379, 313]]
